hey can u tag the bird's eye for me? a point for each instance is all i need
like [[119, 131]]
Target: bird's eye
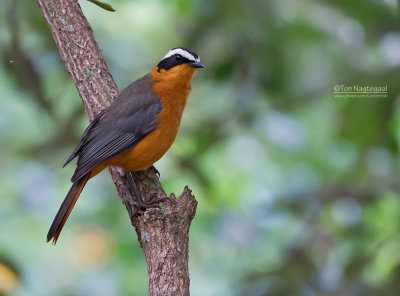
[[179, 58]]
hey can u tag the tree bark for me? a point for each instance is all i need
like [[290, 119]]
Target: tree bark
[[163, 232]]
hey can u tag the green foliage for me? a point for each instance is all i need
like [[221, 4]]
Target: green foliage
[[297, 189]]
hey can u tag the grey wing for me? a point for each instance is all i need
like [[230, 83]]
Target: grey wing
[[119, 128]]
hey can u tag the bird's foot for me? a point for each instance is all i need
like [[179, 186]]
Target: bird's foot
[[153, 202], [140, 205], [138, 202]]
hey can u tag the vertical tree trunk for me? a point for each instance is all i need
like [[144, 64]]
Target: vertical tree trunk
[[162, 232]]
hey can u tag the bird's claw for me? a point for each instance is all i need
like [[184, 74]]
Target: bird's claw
[[153, 202]]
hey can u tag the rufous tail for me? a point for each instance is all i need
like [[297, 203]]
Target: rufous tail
[[66, 208]]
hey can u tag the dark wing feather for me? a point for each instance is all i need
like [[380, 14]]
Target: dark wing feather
[[84, 138], [131, 117]]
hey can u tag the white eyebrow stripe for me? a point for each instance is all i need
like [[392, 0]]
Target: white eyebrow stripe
[[183, 53]]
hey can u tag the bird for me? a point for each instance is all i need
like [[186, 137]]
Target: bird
[[135, 131]]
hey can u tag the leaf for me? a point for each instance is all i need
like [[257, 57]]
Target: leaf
[[103, 5]]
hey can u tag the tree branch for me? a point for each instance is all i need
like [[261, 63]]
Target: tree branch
[[162, 232]]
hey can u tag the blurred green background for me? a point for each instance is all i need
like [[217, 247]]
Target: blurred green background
[[298, 190]]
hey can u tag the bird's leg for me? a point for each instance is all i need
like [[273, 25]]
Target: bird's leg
[[153, 202], [135, 191], [153, 168]]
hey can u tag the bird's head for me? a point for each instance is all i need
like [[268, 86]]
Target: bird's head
[[178, 64]]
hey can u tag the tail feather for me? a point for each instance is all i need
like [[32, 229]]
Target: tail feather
[[66, 208]]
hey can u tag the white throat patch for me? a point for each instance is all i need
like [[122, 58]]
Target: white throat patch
[[183, 53]]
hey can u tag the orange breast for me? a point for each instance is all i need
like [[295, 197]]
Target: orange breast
[[173, 89]]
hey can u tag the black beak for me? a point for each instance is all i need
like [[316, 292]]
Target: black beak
[[196, 65]]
